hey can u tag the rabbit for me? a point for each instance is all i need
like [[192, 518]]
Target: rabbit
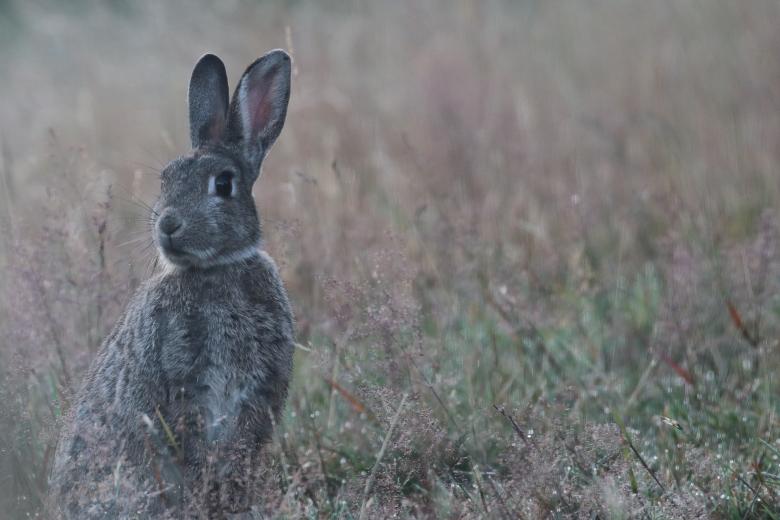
[[184, 391]]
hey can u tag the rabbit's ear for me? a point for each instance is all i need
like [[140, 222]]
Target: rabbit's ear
[[208, 100], [259, 105]]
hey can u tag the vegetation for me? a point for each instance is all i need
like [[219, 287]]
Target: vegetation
[[533, 248]]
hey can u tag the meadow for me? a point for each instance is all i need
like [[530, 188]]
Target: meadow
[[533, 247]]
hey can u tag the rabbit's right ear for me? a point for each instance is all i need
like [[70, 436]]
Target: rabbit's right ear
[[208, 99], [259, 106]]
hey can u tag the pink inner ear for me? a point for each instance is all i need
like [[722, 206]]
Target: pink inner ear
[[259, 102]]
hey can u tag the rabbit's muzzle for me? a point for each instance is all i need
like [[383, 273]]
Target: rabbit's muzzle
[[170, 229], [169, 224]]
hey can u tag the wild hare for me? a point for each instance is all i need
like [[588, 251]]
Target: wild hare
[[184, 391]]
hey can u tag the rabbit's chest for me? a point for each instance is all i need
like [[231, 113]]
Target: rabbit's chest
[[213, 359]]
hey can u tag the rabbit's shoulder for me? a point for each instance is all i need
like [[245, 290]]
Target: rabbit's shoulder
[[265, 285]]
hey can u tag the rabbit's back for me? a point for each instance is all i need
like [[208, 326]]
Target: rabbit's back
[[198, 365]]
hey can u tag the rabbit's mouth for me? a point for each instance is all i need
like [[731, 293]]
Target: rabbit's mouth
[[176, 254], [181, 257]]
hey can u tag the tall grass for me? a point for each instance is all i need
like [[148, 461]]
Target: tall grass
[[532, 247]]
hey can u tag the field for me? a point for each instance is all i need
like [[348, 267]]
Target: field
[[533, 248]]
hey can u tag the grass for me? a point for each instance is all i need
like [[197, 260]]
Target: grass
[[533, 249]]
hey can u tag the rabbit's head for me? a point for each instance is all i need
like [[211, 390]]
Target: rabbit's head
[[205, 215]]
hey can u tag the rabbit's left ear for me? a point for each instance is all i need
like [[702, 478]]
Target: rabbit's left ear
[[259, 106], [208, 100]]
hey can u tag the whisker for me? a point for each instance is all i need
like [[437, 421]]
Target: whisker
[[129, 196], [132, 241], [151, 265], [147, 152], [153, 170], [138, 232], [146, 247], [139, 203], [137, 254]]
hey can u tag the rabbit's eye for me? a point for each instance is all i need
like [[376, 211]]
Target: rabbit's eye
[[223, 184]]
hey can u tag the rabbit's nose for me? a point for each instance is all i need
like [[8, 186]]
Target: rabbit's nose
[[169, 223]]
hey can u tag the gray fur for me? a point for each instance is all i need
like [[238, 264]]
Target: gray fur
[[204, 349], [269, 77], [208, 100]]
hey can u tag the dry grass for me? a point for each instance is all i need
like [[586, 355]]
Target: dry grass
[[549, 229]]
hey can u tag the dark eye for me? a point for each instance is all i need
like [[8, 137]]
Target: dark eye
[[223, 184]]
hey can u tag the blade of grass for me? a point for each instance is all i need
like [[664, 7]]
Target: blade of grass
[[168, 433], [385, 443], [627, 438], [736, 319]]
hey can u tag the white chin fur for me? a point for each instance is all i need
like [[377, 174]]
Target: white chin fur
[[209, 258]]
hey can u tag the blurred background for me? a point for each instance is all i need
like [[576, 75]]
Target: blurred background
[[532, 247]]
